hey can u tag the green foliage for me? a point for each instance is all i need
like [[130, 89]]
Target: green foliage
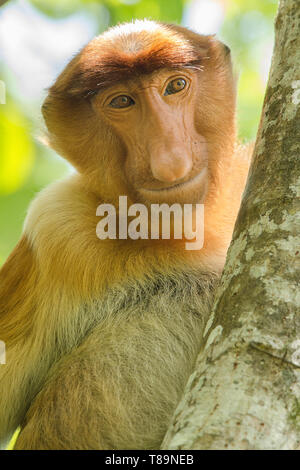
[[61, 8], [248, 29], [157, 10], [16, 149], [25, 167], [119, 10]]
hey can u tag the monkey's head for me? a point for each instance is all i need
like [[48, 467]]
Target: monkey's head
[[146, 110]]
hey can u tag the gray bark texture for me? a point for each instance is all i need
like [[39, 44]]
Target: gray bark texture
[[245, 391]]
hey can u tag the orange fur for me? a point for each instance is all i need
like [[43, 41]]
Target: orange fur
[[101, 336]]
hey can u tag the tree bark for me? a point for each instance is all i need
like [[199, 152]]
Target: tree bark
[[245, 391]]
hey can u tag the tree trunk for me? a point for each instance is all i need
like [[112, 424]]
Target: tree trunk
[[245, 391]]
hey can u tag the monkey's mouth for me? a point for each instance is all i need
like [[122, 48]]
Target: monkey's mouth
[[195, 180]]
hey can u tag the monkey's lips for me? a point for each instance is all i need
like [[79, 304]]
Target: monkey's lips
[[195, 181], [192, 191]]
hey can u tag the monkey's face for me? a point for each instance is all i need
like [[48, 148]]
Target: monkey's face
[[146, 110], [165, 156]]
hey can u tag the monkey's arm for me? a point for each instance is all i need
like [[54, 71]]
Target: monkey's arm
[[20, 375], [70, 410], [40, 315]]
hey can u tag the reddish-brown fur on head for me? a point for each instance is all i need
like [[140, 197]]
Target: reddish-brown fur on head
[[123, 54]]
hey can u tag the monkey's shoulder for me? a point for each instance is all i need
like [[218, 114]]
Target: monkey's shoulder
[[61, 212], [61, 229]]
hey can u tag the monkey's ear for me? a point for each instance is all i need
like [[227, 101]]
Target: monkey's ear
[[224, 50], [207, 45], [199, 41], [220, 49], [227, 50], [220, 54]]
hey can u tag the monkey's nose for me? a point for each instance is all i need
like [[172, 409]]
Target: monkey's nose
[[168, 170]]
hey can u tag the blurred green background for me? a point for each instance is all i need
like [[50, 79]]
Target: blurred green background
[[38, 38]]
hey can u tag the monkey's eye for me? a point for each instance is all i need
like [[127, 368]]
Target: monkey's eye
[[175, 86], [121, 101]]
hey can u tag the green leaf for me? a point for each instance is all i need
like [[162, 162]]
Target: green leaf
[[16, 149]]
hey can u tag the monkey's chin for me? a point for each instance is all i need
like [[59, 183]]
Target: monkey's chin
[[192, 191]]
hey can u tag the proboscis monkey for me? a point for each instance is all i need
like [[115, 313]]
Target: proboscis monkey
[[102, 335]]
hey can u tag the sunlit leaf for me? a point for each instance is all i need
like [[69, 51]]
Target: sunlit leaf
[[16, 149], [13, 440]]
